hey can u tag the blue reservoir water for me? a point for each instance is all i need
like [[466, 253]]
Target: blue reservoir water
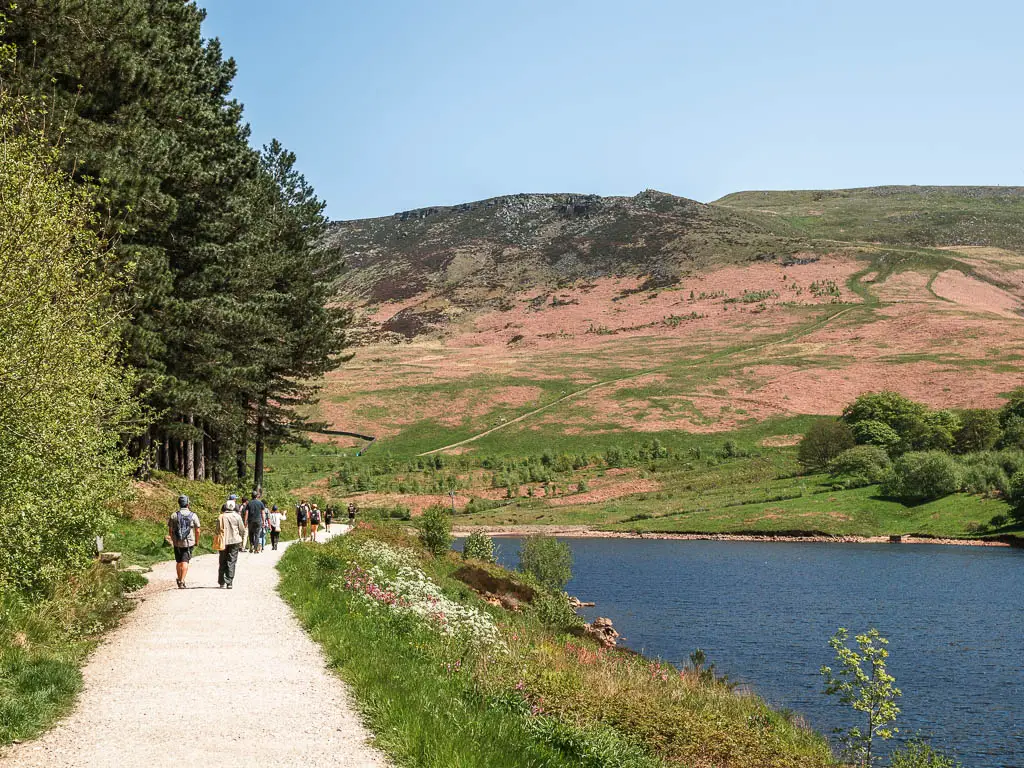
[[763, 613]]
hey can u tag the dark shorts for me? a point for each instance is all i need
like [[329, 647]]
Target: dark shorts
[[301, 521], [182, 554]]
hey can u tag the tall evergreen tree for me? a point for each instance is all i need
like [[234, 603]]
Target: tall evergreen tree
[[295, 334], [228, 315]]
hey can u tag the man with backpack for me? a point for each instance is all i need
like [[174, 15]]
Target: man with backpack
[[254, 513], [183, 528], [301, 516]]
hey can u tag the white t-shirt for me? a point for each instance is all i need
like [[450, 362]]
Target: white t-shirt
[[275, 520]]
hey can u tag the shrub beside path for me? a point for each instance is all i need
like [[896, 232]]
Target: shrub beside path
[[207, 677]]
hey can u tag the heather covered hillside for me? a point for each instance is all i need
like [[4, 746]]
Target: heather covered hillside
[[572, 315]]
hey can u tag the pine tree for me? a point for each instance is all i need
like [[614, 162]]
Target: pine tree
[[228, 313]]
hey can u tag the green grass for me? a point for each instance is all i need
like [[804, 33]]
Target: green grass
[[910, 216], [43, 645], [541, 697], [858, 512], [708, 483]]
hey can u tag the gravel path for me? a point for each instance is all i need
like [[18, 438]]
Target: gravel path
[[208, 677]]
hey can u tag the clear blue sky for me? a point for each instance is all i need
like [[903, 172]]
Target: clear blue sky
[[398, 104]]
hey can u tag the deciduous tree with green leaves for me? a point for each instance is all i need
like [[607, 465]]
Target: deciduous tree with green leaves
[[548, 560], [863, 683], [65, 401], [824, 441]]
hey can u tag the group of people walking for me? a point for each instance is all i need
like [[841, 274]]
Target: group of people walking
[[244, 523], [309, 517]]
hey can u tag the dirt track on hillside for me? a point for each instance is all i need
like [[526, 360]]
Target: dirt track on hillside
[[208, 677]]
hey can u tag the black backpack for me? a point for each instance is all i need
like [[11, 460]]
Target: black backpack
[[314, 517], [184, 528]]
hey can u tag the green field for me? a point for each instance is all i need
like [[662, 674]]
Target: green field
[[911, 216], [712, 483]]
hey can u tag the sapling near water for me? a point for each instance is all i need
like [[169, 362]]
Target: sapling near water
[[863, 682]]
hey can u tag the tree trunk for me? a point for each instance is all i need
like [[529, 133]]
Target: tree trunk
[[257, 477], [190, 452], [201, 453], [241, 453], [257, 474], [146, 454], [214, 459]]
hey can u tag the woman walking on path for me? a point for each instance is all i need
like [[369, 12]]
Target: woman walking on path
[[274, 521], [328, 516], [351, 513], [314, 522], [232, 530]]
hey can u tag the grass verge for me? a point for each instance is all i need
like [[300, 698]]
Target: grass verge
[[43, 645], [445, 679]]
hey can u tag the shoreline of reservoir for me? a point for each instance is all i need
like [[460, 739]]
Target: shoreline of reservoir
[[584, 532]]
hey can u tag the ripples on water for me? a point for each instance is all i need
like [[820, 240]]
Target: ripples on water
[[763, 613]]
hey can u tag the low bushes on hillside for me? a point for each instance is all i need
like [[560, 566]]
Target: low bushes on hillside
[[547, 560], [439, 474], [923, 476], [860, 466], [824, 441], [983, 473], [1016, 494], [436, 529], [479, 546]]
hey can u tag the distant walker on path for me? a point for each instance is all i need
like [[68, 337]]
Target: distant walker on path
[[314, 522], [301, 518], [183, 528], [274, 521], [352, 509], [232, 529]]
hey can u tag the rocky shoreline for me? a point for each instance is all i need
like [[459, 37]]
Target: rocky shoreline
[[583, 532]]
